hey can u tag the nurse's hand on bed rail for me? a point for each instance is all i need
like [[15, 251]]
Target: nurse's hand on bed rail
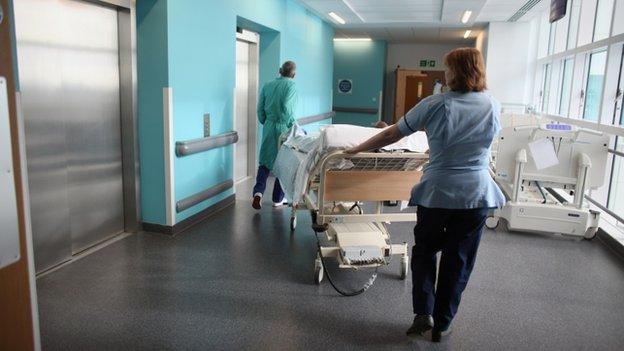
[[386, 137]]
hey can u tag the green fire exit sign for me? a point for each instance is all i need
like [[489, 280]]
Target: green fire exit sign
[[427, 63]]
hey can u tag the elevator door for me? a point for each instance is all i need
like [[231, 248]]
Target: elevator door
[[246, 92], [68, 59], [241, 170]]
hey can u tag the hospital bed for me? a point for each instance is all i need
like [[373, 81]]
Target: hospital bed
[[549, 199], [335, 186], [358, 239]]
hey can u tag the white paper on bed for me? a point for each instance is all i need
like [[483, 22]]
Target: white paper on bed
[[299, 153]]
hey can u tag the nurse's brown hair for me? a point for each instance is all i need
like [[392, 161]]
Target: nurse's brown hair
[[467, 70]]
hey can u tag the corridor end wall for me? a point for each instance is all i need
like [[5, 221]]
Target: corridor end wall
[[362, 62]]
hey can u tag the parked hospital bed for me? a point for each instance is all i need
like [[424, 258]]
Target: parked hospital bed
[[549, 199]]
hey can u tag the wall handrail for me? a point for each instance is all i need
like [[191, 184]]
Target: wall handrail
[[366, 110], [204, 195], [193, 146], [316, 118]]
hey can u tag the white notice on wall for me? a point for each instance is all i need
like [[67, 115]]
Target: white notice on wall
[[543, 153]]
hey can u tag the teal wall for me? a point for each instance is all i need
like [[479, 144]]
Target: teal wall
[[152, 71], [364, 63], [200, 68]]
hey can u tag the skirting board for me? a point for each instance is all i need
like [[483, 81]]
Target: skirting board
[[192, 220], [611, 243]]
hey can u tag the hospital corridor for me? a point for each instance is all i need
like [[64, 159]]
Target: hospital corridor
[[311, 175]]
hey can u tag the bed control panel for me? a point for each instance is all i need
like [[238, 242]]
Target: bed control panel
[[558, 127], [361, 255]]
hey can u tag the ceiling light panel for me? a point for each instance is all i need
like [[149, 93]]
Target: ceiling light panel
[[380, 11], [352, 39], [466, 16], [337, 18]]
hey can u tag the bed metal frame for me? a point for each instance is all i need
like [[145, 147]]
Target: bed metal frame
[[334, 195]]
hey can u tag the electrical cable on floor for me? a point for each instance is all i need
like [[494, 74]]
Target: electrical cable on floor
[[366, 286]]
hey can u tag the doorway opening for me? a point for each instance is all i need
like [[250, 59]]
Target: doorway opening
[[245, 101]]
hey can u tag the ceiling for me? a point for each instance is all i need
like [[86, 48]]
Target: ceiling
[[418, 21]]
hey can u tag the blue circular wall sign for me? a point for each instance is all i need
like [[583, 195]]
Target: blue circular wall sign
[[345, 86]]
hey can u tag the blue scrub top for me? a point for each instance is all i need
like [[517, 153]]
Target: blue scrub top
[[460, 128]]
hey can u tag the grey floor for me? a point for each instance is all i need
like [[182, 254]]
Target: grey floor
[[241, 281]]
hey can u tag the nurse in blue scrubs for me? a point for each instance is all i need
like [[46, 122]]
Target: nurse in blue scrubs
[[456, 191]]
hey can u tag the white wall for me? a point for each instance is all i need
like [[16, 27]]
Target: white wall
[[481, 42], [408, 56], [511, 48]]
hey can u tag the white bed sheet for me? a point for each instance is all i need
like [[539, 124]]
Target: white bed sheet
[[343, 136], [299, 153]]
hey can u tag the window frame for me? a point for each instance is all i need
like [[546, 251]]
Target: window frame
[[564, 63], [610, 30], [586, 74], [546, 86], [573, 22]]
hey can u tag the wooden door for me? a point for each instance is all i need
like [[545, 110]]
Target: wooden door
[[412, 87]]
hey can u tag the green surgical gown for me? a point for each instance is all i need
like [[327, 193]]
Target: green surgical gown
[[276, 108]]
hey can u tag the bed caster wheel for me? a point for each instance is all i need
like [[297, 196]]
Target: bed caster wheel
[[492, 222], [590, 233], [404, 267], [293, 223], [318, 271]]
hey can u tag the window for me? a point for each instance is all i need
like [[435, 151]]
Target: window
[[602, 24], [546, 87], [616, 188], [575, 11], [615, 198], [621, 116], [566, 86], [618, 20], [618, 113], [595, 79], [551, 38]]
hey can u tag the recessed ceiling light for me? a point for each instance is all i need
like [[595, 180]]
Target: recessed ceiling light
[[466, 16], [337, 18], [467, 34], [353, 39]]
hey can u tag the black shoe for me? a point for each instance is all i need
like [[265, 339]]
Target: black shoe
[[421, 325], [437, 335], [257, 201]]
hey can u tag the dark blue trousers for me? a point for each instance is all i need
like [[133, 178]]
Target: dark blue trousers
[[261, 180], [455, 233]]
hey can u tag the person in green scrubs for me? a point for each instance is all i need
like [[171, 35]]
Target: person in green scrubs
[[276, 108]]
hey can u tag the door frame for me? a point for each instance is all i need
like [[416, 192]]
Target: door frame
[[126, 21], [253, 39], [399, 96]]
